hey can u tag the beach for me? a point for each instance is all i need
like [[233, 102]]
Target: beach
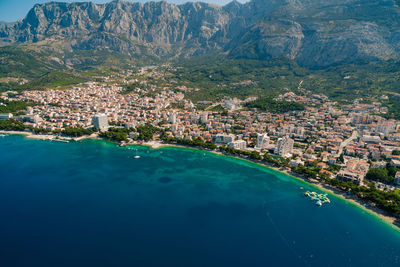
[[374, 211], [317, 184], [48, 136], [93, 202]]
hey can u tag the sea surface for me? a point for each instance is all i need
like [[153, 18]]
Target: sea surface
[[91, 203]]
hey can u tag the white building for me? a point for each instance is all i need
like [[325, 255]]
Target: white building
[[284, 146], [30, 118], [296, 162], [172, 118], [224, 139], [397, 178], [238, 144], [385, 128], [230, 104], [100, 122], [194, 118], [5, 116], [204, 117], [371, 139], [395, 163], [262, 141], [30, 110]]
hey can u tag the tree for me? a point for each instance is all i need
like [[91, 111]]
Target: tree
[[396, 152], [76, 132], [271, 105], [334, 168], [391, 170], [255, 155], [115, 134], [379, 174], [12, 125], [146, 132], [341, 158]]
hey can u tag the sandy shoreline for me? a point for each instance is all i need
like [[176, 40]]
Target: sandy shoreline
[[156, 145], [323, 187], [48, 136]]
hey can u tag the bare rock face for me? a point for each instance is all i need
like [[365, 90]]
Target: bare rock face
[[312, 32], [272, 38]]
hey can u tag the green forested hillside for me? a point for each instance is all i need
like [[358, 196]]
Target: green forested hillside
[[24, 63], [210, 76], [270, 105], [52, 80], [44, 67], [222, 76]]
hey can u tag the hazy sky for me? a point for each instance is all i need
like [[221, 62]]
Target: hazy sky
[[12, 10]]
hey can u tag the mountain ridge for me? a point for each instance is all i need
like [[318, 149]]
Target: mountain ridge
[[314, 33]]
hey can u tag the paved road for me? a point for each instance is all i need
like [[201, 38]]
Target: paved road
[[212, 106], [353, 136]]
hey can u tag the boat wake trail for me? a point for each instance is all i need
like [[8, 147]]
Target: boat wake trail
[[285, 241]]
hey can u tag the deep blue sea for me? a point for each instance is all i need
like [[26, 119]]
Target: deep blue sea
[[92, 203]]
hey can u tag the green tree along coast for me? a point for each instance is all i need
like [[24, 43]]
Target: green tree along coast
[[146, 132], [386, 201], [183, 189], [380, 175], [385, 175], [198, 142], [115, 134], [12, 125], [76, 132]]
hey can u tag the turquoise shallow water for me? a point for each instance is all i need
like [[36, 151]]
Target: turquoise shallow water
[[92, 204]]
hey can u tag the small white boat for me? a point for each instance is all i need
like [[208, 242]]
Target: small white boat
[[136, 155], [318, 203], [3, 135]]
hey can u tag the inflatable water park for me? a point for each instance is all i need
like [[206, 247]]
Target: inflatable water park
[[319, 198]]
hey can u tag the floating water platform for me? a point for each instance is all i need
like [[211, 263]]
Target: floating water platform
[[319, 198]]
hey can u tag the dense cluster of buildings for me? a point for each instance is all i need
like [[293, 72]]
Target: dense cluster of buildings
[[318, 135]]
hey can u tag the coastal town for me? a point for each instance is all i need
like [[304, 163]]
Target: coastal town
[[210, 133], [353, 142]]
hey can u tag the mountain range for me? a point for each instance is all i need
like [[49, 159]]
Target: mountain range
[[314, 33]]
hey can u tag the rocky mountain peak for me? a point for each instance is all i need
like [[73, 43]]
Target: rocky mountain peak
[[312, 32]]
